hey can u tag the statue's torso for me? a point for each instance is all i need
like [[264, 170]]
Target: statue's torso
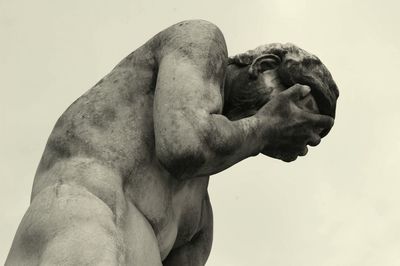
[[105, 141]]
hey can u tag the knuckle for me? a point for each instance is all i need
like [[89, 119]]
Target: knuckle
[[314, 141], [305, 120], [331, 122], [304, 151], [297, 86], [305, 86]]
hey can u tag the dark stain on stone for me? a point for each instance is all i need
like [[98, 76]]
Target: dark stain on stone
[[56, 148], [103, 118], [185, 165], [129, 96], [222, 149], [60, 147], [32, 240], [63, 144]]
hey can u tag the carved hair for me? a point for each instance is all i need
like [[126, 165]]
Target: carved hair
[[297, 66]]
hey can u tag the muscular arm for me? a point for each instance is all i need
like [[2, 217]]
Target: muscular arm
[[192, 137]]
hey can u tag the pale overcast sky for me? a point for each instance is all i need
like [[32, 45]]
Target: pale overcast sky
[[338, 206]]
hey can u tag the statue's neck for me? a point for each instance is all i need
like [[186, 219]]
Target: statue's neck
[[231, 81], [228, 82]]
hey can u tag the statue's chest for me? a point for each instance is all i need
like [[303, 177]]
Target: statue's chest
[[174, 212]]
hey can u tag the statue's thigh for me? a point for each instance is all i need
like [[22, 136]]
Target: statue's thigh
[[68, 225]]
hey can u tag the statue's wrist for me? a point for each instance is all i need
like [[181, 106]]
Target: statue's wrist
[[258, 136]]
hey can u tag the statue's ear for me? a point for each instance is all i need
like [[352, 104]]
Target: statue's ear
[[263, 63]]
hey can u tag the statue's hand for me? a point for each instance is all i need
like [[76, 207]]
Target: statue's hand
[[287, 129]]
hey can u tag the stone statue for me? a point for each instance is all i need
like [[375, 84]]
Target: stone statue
[[124, 175]]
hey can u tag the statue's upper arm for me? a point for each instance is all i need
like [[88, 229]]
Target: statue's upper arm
[[192, 62]]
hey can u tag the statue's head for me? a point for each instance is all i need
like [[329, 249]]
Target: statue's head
[[257, 75]]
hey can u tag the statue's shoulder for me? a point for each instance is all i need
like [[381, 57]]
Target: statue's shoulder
[[192, 35]]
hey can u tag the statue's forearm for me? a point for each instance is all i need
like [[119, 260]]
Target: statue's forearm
[[217, 144], [229, 142]]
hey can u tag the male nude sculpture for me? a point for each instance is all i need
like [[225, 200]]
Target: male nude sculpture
[[123, 179]]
